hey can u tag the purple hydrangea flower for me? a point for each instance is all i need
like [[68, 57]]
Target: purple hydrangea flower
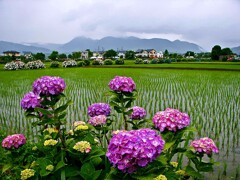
[[122, 84], [204, 145], [170, 119], [99, 109], [13, 141], [98, 120], [30, 100], [138, 113], [129, 150], [49, 85]]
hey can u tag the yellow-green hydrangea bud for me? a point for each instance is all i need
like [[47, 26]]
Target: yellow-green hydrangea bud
[[47, 137], [181, 172], [77, 123], [50, 142], [174, 164], [51, 130], [71, 132], [50, 167], [81, 127], [160, 177], [34, 148], [27, 173], [33, 164], [82, 146]]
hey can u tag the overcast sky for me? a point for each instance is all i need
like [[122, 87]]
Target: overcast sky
[[205, 22]]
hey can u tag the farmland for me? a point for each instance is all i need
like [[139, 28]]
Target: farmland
[[211, 98]]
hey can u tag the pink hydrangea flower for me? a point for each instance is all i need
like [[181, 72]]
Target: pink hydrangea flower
[[170, 119], [204, 145], [122, 84], [138, 113], [129, 150], [98, 120], [30, 100], [13, 141], [99, 109], [49, 85]]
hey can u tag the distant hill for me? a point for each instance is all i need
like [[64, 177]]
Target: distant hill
[[8, 46], [236, 50], [106, 43], [129, 43]]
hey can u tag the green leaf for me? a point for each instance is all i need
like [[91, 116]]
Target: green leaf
[[63, 107], [129, 103], [29, 115], [6, 167], [96, 161], [72, 171], [59, 165], [118, 109], [87, 170], [205, 167], [43, 111], [169, 145], [191, 172], [96, 174]]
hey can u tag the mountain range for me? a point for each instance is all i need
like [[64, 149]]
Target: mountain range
[[106, 43]]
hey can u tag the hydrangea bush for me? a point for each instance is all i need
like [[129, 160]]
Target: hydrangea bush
[[35, 65], [14, 65], [95, 148], [69, 63]]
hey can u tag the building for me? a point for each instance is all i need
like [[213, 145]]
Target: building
[[11, 53]]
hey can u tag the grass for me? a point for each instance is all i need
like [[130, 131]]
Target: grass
[[211, 98]]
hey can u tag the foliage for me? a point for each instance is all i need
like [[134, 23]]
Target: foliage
[[90, 53], [130, 55], [97, 62], [138, 61], [119, 61], [76, 55], [87, 62], [216, 52], [166, 53], [39, 56], [146, 61], [53, 56], [226, 51], [154, 61], [35, 65], [189, 53], [108, 62], [80, 64], [69, 63], [110, 54], [54, 64], [62, 56]]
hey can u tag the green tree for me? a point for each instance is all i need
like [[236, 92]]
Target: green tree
[[130, 55], [189, 53], [76, 55], [70, 56], [110, 54], [90, 53], [166, 53], [226, 51], [53, 56], [39, 56], [62, 56], [216, 52]]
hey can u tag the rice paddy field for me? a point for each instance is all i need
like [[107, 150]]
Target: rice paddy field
[[211, 98]]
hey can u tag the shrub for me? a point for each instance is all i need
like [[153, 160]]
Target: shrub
[[97, 62], [69, 63], [119, 61], [108, 62], [146, 61], [169, 61], [80, 64], [154, 61], [35, 65], [55, 64], [138, 61], [161, 61], [14, 65], [87, 62]]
